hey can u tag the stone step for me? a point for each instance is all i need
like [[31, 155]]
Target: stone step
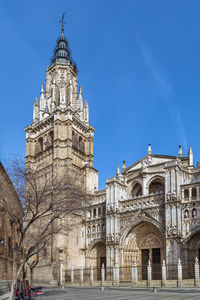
[[4, 286]]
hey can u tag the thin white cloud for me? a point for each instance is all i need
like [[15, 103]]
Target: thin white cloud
[[164, 87]]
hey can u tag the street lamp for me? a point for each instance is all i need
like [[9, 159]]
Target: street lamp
[[2, 241]]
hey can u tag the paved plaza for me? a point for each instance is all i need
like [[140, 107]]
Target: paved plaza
[[87, 293]]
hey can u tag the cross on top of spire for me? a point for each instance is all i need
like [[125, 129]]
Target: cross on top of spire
[[62, 22]]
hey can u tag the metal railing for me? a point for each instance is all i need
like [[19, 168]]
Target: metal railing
[[134, 273]]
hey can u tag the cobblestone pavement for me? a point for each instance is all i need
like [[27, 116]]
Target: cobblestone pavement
[[86, 293]]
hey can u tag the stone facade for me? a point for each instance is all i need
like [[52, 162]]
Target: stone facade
[[8, 233], [148, 211], [152, 213]]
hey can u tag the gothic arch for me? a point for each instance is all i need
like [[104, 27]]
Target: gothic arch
[[195, 231], [191, 250], [145, 241], [96, 254], [92, 245], [139, 219], [156, 180], [133, 183]]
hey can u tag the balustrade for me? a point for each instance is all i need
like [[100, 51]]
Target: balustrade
[[142, 202]]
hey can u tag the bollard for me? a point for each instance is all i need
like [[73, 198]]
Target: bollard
[[81, 276], [116, 274], [164, 273], [134, 273], [61, 274], [149, 274], [91, 275], [155, 289], [196, 272], [63, 277], [180, 275], [102, 274], [72, 275]]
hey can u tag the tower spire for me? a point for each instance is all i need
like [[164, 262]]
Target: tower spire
[[62, 26], [62, 52]]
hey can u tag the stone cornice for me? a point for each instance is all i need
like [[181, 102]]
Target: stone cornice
[[40, 125]]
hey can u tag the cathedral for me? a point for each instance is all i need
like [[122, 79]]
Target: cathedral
[[149, 211]]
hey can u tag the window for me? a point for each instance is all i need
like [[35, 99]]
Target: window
[[194, 193], [186, 194], [137, 190], [40, 141], [156, 186], [51, 137], [94, 212]]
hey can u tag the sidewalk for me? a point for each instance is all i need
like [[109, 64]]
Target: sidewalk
[[5, 296]]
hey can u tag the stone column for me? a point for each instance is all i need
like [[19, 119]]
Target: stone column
[[182, 193], [190, 194], [149, 274], [134, 273], [180, 275], [81, 275], [87, 262], [196, 272], [102, 273], [164, 274], [72, 275]]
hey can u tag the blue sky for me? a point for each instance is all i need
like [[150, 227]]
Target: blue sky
[[139, 66]]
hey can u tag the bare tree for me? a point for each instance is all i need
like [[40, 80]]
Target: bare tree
[[46, 200]]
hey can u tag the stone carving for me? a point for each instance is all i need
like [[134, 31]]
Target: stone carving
[[172, 230], [194, 212], [113, 238], [150, 242], [112, 208], [147, 161]]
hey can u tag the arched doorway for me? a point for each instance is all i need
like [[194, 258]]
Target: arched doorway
[[143, 243], [98, 258], [192, 248]]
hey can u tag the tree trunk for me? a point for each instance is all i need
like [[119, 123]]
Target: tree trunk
[[14, 275], [14, 264], [12, 290], [14, 281]]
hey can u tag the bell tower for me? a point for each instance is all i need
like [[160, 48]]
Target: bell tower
[[60, 139], [60, 134]]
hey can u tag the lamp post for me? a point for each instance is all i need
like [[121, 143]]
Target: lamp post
[[2, 240]]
